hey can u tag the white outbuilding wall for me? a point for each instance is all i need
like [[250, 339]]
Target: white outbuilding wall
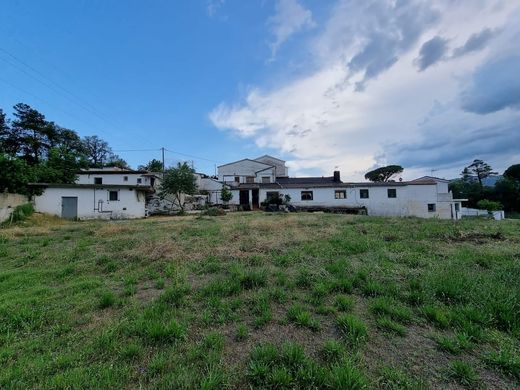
[[123, 178], [94, 202]]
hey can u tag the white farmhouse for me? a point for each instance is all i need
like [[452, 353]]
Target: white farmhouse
[[98, 193], [254, 181]]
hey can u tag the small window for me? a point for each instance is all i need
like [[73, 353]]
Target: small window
[[250, 179], [392, 193], [432, 207], [237, 179], [139, 180], [272, 195], [125, 178], [266, 179], [363, 194], [340, 194], [113, 195], [98, 180], [306, 195]]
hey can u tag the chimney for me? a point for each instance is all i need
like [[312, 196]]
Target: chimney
[[337, 177]]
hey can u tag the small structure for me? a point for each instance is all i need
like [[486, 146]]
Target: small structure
[[98, 193]]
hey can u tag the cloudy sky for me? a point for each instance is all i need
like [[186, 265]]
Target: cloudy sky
[[336, 84]]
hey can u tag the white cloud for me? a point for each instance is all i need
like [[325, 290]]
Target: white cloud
[[290, 18], [364, 103], [213, 6]]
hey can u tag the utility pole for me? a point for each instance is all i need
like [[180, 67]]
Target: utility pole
[[162, 150]]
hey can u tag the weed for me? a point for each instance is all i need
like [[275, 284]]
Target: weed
[[107, 299], [352, 329], [344, 303], [395, 379], [299, 316], [390, 307], [463, 373], [455, 344], [160, 283], [332, 351], [436, 315], [506, 360], [241, 333], [389, 325]]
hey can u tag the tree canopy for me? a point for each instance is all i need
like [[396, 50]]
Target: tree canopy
[[383, 174], [479, 169], [153, 165], [177, 182], [513, 172]]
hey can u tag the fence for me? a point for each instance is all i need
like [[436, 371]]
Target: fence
[[469, 212]]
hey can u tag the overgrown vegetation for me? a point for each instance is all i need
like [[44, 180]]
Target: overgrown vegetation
[[253, 300]]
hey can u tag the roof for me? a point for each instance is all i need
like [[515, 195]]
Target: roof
[[429, 179], [244, 159], [110, 171], [306, 180], [271, 157], [325, 182], [97, 186]]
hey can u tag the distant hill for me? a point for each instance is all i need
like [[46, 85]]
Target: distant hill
[[486, 182]]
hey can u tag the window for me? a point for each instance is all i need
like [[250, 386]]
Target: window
[[113, 195], [250, 179], [266, 179], [98, 180], [237, 179], [125, 178], [392, 193], [363, 194], [306, 195], [431, 207], [272, 195], [139, 180], [340, 194]]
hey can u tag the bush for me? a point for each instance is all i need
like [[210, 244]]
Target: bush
[[21, 213], [489, 205]]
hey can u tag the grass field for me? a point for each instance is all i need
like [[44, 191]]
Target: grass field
[[254, 300]]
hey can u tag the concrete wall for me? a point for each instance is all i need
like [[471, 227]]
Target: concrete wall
[[8, 203], [280, 168], [118, 178], [94, 203]]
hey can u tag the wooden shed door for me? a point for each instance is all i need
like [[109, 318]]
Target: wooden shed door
[[69, 207]]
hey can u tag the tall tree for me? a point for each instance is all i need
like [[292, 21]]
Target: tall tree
[[96, 150], [4, 132], [478, 168], [152, 166], [384, 173], [15, 174], [513, 172], [178, 182], [31, 135]]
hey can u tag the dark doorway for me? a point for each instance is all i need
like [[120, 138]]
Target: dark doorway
[[244, 197], [256, 203]]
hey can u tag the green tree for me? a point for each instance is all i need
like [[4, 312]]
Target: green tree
[[15, 174], [178, 182], [115, 161], [152, 166], [513, 172], [489, 205], [383, 174], [507, 192], [478, 168], [226, 195], [96, 151], [31, 135], [61, 166]]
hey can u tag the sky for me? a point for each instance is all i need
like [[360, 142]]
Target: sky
[[326, 85]]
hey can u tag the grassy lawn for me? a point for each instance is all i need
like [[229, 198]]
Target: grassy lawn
[[254, 300]]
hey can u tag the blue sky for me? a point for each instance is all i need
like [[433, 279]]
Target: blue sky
[[326, 85]]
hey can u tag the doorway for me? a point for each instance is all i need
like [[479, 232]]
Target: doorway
[[69, 207]]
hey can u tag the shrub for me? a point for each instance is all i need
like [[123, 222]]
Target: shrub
[[489, 205], [21, 213]]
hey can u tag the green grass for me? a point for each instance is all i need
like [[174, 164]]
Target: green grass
[[259, 300]]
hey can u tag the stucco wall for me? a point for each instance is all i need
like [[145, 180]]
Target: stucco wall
[[243, 169], [131, 203], [8, 202]]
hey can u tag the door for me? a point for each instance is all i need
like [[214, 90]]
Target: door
[[244, 197], [255, 199], [69, 207]]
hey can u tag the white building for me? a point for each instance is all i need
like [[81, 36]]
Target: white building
[[254, 181], [98, 193]]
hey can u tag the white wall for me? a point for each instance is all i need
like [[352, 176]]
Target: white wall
[[411, 200], [280, 168], [244, 169], [119, 178], [88, 199]]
